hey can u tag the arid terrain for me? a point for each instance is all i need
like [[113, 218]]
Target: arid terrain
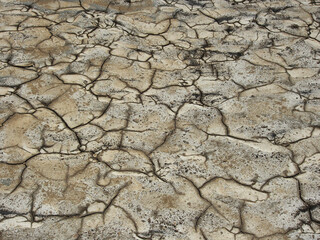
[[159, 119]]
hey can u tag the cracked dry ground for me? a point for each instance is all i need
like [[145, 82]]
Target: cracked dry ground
[[155, 119]]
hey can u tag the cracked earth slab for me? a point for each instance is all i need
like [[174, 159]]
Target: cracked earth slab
[[144, 119]]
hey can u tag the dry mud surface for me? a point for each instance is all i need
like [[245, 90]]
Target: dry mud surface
[[156, 119]]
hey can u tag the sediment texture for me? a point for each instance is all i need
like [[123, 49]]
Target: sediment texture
[[155, 119]]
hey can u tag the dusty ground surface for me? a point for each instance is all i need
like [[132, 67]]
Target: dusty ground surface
[[155, 119]]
